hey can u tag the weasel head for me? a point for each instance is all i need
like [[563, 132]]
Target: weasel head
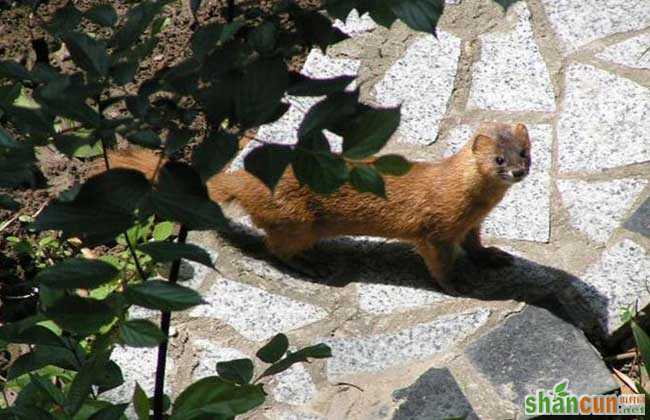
[[502, 152]]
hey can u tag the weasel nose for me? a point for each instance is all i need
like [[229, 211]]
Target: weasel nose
[[519, 173]]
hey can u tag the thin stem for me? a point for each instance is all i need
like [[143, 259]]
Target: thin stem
[[162, 348], [138, 267]]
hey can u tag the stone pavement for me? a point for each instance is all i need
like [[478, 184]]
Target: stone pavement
[[575, 72]]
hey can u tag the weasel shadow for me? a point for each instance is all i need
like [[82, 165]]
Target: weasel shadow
[[341, 261]]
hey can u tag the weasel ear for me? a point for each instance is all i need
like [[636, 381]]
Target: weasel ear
[[481, 141], [522, 132]]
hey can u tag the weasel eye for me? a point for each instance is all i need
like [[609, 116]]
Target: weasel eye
[[500, 160], [522, 154]]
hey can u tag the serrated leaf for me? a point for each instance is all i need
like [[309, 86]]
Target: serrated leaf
[[239, 370], [109, 377], [80, 388], [263, 37], [317, 29], [137, 20], [329, 112], [65, 19], [268, 163], [101, 210], [111, 412], [141, 403], [365, 178], [180, 195], [46, 386], [370, 131], [40, 357], [141, 333], [83, 316], [8, 203], [102, 14], [306, 86], [169, 251], [77, 273], [392, 165], [419, 15], [162, 295], [274, 349], [213, 153], [13, 70], [177, 139], [78, 145], [88, 53]]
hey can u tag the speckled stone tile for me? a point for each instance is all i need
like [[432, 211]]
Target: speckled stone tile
[[511, 74], [255, 313], [351, 355], [597, 208], [208, 354], [579, 22], [618, 279], [421, 81], [603, 121], [632, 52], [514, 217], [294, 386]]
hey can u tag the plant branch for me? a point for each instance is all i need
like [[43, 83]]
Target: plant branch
[[138, 267], [165, 318]]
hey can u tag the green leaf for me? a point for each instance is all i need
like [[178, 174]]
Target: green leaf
[[213, 153], [78, 145], [212, 397], [369, 132], [35, 335], [365, 178], [141, 333], [163, 251], [274, 349], [111, 412], [506, 3], [145, 138], [239, 371], [419, 15], [263, 37], [46, 386], [643, 342], [137, 20], [162, 231], [141, 403], [323, 172], [102, 14], [177, 139], [101, 210], [260, 91], [123, 73], [83, 316], [181, 196], [268, 163], [195, 5], [8, 203], [88, 53], [329, 112], [306, 86], [319, 351], [40, 357], [392, 165], [109, 377], [162, 295], [80, 388], [65, 19], [77, 273], [317, 29], [63, 97], [13, 70]]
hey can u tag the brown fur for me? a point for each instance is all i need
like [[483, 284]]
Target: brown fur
[[435, 206]]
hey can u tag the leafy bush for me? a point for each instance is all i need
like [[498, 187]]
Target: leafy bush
[[234, 80]]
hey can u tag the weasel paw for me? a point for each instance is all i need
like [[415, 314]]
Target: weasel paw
[[492, 257]]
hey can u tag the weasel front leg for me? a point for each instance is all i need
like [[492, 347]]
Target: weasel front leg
[[439, 259], [288, 242], [491, 257]]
